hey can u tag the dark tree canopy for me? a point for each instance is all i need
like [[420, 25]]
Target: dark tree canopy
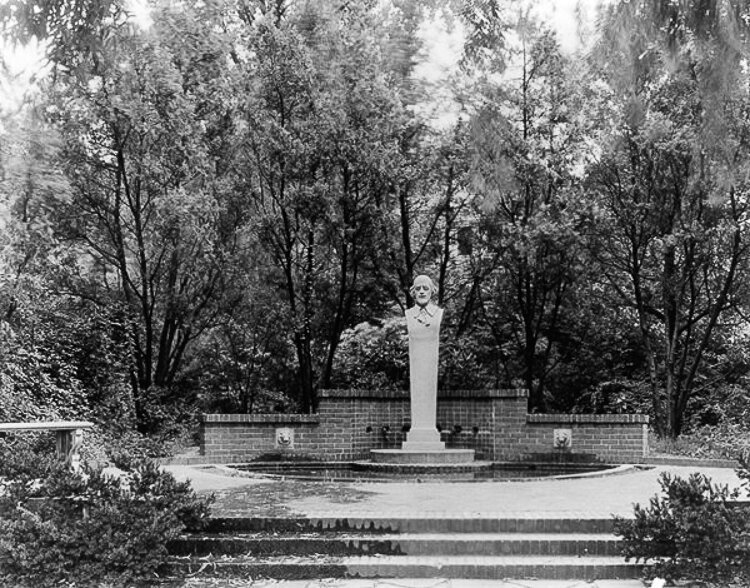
[[225, 210]]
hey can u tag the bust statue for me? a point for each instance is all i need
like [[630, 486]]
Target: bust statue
[[423, 323], [424, 312]]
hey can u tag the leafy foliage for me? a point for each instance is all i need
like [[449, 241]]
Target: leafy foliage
[[693, 531], [671, 184], [153, 235], [373, 356], [215, 213], [524, 150], [57, 525], [725, 440], [21, 460]]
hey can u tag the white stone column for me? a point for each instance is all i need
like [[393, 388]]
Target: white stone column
[[423, 324]]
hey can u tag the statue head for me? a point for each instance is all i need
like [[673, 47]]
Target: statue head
[[422, 290]]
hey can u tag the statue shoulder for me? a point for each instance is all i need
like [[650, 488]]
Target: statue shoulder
[[432, 310]]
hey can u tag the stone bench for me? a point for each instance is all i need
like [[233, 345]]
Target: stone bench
[[69, 435]]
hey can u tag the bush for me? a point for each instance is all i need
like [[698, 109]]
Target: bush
[[63, 527], [26, 457], [723, 441], [373, 356], [616, 395], [126, 448], [695, 531]]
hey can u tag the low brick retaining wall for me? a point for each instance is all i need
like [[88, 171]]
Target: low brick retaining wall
[[613, 438], [494, 423], [228, 438]]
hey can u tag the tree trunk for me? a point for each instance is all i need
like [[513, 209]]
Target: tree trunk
[[307, 376], [446, 256], [671, 326]]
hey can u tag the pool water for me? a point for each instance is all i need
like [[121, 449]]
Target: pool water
[[363, 472]]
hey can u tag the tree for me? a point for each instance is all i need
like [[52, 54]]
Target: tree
[[671, 182], [149, 222], [526, 138], [69, 29], [322, 120]]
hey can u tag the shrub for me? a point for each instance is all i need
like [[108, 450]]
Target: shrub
[[723, 441], [127, 448], [616, 395], [693, 531], [29, 457], [373, 356], [66, 527], [377, 356]]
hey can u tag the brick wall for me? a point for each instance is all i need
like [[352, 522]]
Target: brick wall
[[376, 418], [478, 419], [614, 438], [494, 423], [228, 438]]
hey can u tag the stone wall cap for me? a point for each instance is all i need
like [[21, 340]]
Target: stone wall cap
[[45, 426]]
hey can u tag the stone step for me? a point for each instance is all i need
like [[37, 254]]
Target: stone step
[[557, 567], [428, 524], [422, 457], [577, 544]]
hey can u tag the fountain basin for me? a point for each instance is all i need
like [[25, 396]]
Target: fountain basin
[[478, 471]]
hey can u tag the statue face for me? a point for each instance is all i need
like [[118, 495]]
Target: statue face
[[422, 291]]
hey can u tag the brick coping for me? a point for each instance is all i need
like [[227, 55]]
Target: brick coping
[[314, 419], [365, 515], [272, 418], [651, 460], [587, 418], [230, 469], [478, 394]]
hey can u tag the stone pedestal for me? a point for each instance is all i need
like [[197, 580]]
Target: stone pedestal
[[424, 333], [423, 440]]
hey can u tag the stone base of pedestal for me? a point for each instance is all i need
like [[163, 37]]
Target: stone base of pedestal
[[422, 456], [424, 439], [422, 446]]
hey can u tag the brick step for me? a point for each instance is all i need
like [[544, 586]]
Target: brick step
[[577, 544], [427, 524], [557, 567]]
